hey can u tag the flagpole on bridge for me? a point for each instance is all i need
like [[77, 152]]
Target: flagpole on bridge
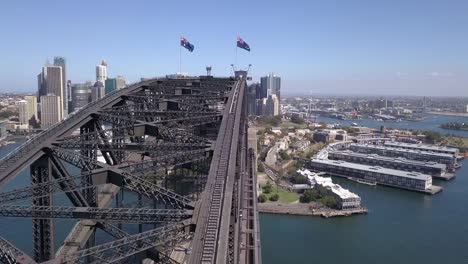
[[180, 59], [235, 60]]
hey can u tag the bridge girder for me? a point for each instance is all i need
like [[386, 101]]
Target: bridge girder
[[150, 135]]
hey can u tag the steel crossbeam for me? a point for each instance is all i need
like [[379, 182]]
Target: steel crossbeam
[[9, 254], [42, 190], [159, 132], [126, 215], [166, 147], [129, 245]]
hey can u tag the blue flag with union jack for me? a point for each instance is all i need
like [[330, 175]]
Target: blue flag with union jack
[[242, 44], [184, 43]]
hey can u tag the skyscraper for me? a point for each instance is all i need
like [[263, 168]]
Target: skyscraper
[[272, 105], [101, 77], [81, 95], [101, 72], [271, 84], [50, 82], [51, 110], [23, 111], [60, 61], [27, 109]]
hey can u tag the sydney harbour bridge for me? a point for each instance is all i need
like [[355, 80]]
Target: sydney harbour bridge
[[162, 168]]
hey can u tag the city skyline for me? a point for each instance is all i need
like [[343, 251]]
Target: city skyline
[[365, 47]]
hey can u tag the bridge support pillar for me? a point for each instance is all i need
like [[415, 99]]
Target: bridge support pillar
[[89, 193], [43, 230]]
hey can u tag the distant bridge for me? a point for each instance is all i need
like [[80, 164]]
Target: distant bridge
[[178, 144]]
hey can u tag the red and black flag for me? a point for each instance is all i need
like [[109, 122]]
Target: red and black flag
[[242, 44], [184, 43]]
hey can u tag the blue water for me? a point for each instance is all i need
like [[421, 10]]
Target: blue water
[[432, 122]]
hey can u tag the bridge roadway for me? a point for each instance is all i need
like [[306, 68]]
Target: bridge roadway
[[225, 220]]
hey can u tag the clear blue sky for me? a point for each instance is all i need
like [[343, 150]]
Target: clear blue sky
[[379, 47]]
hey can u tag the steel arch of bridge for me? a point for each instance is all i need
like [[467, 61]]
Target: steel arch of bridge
[[151, 138]]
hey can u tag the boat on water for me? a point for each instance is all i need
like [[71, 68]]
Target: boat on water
[[354, 124], [363, 181]]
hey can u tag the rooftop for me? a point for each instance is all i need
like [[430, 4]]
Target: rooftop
[[431, 164], [421, 146], [399, 173], [327, 183], [446, 155]]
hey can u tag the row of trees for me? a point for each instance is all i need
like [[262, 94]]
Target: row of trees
[[267, 189], [263, 198]]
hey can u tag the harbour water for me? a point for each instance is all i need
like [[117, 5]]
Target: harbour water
[[401, 227], [432, 122]]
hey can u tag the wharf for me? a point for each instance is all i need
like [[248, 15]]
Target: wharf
[[433, 190], [446, 176], [305, 210]]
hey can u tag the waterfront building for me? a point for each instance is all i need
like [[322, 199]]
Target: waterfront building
[[443, 158], [384, 176], [61, 62], [51, 110], [81, 95], [423, 147], [345, 198], [3, 130], [432, 168]]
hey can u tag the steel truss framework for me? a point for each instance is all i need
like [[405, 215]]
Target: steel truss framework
[[174, 143]]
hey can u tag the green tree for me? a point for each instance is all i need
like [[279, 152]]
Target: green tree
[[268, 187], [284, 155], [297, 120], [300, 179], [274, 197], [262, 198], [329, 201]]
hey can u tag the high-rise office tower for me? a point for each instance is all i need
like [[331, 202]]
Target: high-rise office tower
[[60, 61], [271, 84], [101, 72], [272, 105], [81, 95], [98, 90], [51, 110], [50, 82], [113, 84], [23, 111], [251, 99], [27, 109]]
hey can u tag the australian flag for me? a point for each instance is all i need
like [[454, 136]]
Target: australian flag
[[242, 44], [184, 43]]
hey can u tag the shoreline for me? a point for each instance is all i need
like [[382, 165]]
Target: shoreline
[[299, 209], [449, 114]]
